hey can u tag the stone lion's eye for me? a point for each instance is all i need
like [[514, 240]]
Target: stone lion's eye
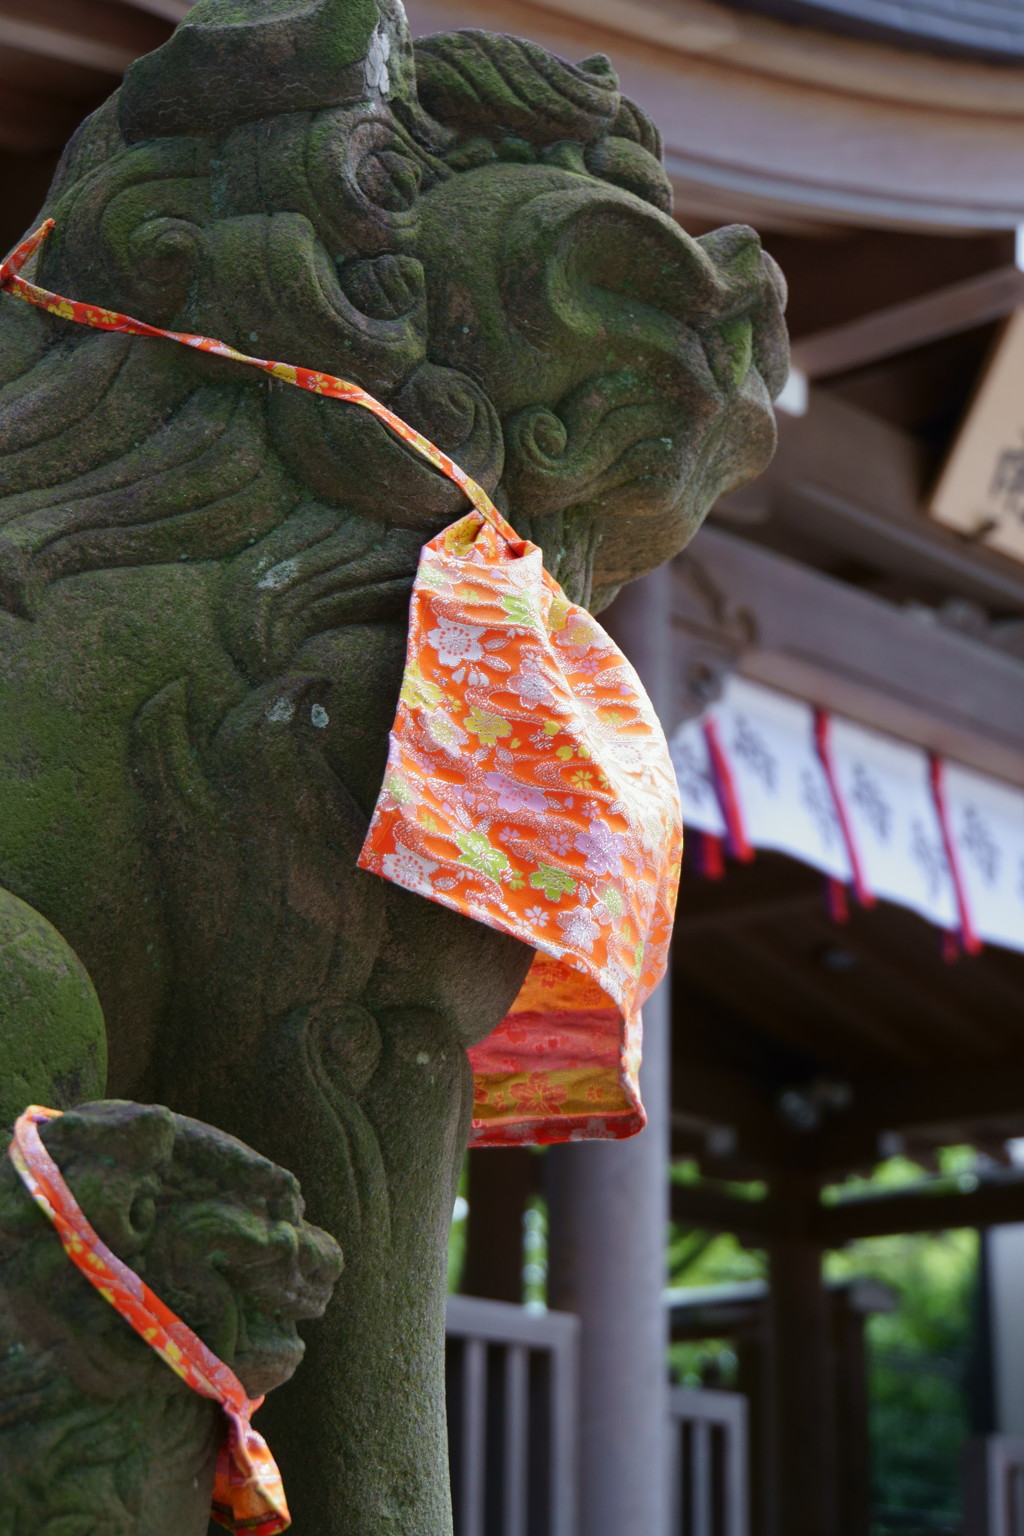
[[390, 180], [142, 1214]]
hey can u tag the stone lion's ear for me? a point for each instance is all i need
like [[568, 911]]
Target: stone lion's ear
[[111, 1153], [564, 242], [139, 1137]]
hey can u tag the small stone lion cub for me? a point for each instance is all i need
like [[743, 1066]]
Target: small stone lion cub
[[97, 1436]]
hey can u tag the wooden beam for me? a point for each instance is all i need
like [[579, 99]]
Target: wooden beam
[[899, 327], [767, 887], [784, 1018], [736, 915], [992, 1203], [838, 1014], [499, 1187], [932, 1105], [170, 10], [31, 124], [849, 482], [698, 1205], [925, 1006], [802, 1417], [93, 35], [70, 47], [711, 1096], [864, 657]]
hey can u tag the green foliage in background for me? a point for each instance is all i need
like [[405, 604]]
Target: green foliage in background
[[918, 1355], [709, 1258], [457, 1233]]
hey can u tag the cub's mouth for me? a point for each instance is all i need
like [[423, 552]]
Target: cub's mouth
[[276, 1293], [242, 1280]]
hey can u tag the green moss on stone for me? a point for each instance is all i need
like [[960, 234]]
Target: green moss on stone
[[52, 1037]]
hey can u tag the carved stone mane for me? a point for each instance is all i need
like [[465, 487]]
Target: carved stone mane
[[96, 1433]]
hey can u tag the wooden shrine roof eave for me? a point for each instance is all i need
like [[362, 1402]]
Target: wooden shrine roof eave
[[969, 29], [99, 35], [798, 120], [727, 193], [797, 55], [930, 317]]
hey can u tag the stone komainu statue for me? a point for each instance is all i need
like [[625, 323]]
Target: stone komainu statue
[[204, 579], [97, 1436]]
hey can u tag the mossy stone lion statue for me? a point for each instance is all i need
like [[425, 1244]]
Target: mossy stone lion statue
[[204, 580], [98, 1437]]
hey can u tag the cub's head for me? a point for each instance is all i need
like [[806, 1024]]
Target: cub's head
[[213, 1228]]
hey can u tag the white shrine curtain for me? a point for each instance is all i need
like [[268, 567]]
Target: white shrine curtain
[[766, 770]]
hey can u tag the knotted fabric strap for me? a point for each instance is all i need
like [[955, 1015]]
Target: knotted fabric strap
[[247, 1493], [529, 787]]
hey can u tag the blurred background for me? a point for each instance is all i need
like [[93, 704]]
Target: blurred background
[[836, 1072]]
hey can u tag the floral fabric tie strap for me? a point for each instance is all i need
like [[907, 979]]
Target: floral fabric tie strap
[[303, 378], [247, 1493], [528, 786]]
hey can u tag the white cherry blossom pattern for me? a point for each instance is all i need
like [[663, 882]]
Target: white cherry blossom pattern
[[531, 687], [579, 929], [409, 870], [457, 643]]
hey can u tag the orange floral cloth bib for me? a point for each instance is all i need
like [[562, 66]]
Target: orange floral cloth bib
[[247, 1493], [528, 785]]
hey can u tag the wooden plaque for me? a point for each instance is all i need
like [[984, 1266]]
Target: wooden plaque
[[981, 489]]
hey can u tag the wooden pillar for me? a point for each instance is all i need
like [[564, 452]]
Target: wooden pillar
[[751, 1349], [608, 1215], [853, 1449], [800, 1393], [501, 1180]]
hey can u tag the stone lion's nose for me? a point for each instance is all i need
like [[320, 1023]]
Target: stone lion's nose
[[745, 325], [320, 1263]]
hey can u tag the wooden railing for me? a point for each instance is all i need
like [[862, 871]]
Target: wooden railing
[[512, 1382], [513, 1405], [710, 1479], [994, 1486]]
